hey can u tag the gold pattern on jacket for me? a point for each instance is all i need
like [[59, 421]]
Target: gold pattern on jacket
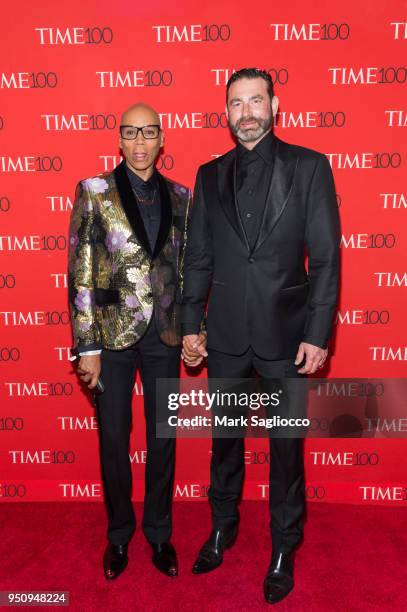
[[105, 254]]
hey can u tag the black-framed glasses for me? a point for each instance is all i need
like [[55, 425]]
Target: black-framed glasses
[[130, 132]]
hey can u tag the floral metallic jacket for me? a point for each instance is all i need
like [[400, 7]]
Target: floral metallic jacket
[[115, 281]]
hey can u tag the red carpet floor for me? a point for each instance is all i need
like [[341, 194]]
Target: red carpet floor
[[353, 558]]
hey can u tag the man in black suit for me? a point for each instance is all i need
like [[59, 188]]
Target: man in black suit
[[258, 210]]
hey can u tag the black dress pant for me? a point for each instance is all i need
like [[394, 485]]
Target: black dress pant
[[286, 478], [154, 360]]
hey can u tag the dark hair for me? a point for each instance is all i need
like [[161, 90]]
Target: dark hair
[[251, 73]]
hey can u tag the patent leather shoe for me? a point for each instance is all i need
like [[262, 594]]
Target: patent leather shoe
[[211, 554], [115, 560], [165, 558], [279, 580]]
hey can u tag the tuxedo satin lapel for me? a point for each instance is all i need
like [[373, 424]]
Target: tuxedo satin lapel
[[130, 206], [166, 215], [282, 182], [227, 193]]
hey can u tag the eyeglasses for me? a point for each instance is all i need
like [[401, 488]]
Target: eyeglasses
[[130, 132]]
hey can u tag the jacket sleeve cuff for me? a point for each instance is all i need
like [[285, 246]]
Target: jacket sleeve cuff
[[315, 341], [189, 328], [84, 348]]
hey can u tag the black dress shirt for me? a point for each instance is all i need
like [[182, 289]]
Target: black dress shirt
[[147, 194], [254, 169]]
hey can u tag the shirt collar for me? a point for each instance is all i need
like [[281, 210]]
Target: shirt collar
[[264, 149], [138, 182]]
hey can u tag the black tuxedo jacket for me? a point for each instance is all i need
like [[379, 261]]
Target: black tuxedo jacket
[[263, 296]]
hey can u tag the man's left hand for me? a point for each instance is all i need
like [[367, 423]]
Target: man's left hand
[[315, 358]]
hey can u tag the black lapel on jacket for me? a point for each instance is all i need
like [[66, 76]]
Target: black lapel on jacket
[[166, 215], [130, 206], [282, 181], [227, 193]]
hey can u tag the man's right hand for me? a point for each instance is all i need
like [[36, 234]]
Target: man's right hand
[[89, 369]]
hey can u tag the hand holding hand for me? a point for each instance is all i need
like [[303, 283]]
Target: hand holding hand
[[194, 349]]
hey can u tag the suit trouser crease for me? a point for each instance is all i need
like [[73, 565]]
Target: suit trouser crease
[[286, 476], [154, 360]]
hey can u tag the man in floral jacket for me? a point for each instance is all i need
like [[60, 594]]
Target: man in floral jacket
[[126, 249]]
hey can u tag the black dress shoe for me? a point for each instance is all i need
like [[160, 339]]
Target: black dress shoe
[[115, 560], [279, 580], [211, 554], [165, 558]]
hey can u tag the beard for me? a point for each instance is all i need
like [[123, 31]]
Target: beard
[[253, 133]]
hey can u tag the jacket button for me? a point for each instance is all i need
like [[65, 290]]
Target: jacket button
[[251, 259]]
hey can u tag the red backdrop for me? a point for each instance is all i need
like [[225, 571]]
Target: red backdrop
[[67, 72]]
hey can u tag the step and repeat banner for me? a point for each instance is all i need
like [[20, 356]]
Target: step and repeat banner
[[67, 71]]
